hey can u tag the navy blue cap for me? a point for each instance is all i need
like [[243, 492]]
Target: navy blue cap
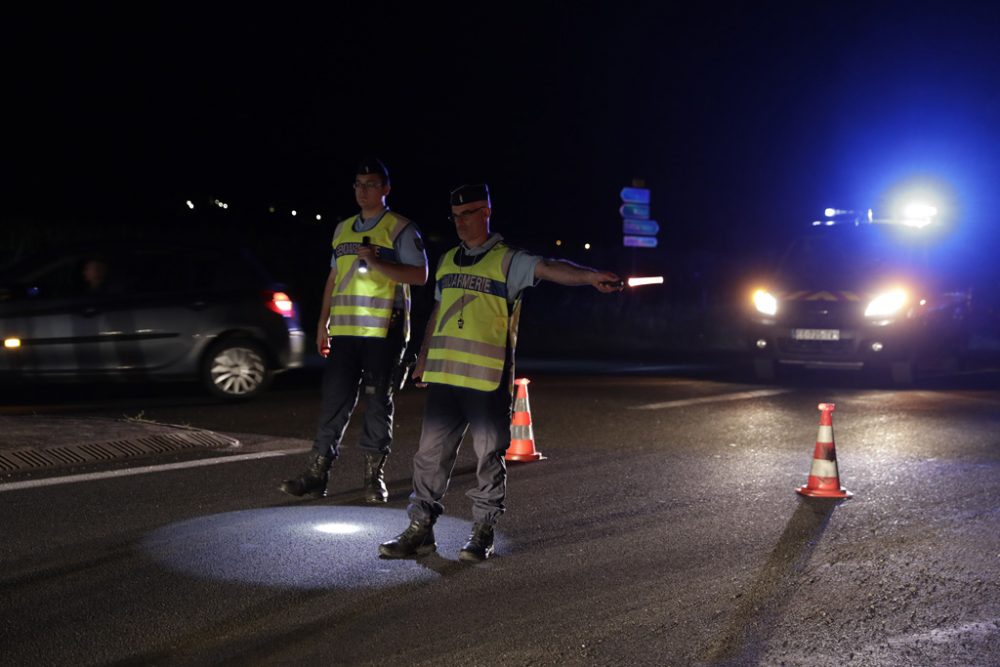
[[464, 194], [372, 165]]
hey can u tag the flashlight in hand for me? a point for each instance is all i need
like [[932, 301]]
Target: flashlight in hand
[[362, 264]]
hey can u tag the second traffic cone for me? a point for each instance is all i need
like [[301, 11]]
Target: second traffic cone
[[522, 438], [824, 480]]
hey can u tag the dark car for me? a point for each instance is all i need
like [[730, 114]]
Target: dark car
[[148, 312], [860, 294]]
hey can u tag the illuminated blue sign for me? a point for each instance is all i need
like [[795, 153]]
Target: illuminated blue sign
[[635, 195], [639, 241], [637, 229], [640, 211], [640, 227]]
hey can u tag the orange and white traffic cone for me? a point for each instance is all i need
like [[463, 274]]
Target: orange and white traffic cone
[[824, 480], [522, 438]]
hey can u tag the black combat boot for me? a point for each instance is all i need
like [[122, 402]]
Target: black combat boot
[[416, 540], [375, 491], [480, 544], [312, 481]]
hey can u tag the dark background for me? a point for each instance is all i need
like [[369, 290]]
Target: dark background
[[746, 120]]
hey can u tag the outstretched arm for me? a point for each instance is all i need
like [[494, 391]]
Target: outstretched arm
[[567, 273]]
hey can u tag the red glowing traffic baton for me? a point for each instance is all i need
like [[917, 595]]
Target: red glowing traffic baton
[[650, 280], [635, 282]]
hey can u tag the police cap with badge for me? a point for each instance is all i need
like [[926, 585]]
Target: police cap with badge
[[374, 166], [465, 194]]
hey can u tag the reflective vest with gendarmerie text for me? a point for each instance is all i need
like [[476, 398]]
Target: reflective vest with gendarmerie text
[[475, 323], [361, 303]]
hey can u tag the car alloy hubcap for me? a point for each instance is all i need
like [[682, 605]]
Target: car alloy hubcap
[[237, 370]]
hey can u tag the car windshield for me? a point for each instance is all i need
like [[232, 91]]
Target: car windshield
[[851, 255], [147, 270]]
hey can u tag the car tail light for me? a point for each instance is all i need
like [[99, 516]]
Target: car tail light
[[280, 303]]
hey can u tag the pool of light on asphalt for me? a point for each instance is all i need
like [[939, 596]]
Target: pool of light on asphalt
[[302, 547]]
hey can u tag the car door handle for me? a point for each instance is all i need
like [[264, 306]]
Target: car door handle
[[90, 311], [198, 305]]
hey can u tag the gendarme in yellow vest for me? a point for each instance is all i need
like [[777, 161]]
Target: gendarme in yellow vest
[[361, 303], [468, 347]]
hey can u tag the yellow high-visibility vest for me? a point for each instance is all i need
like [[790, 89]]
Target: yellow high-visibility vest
[[361, 303], [475, 324]]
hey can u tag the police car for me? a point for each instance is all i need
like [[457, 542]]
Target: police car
[[858, 292]]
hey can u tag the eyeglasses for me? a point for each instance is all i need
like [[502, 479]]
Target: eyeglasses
[[366, 185], [465, 215]]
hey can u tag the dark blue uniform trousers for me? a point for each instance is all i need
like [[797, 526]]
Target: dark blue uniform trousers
[[356, 363], [448, 414]]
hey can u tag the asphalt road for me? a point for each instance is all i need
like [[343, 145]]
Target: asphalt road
[[663, 528]]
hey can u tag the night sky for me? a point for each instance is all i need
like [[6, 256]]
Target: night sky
[[745, 119]]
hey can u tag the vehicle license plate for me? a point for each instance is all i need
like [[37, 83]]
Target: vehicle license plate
[[816, 334]]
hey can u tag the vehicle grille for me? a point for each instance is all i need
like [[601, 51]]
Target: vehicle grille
[[815, 347], [821, 314]]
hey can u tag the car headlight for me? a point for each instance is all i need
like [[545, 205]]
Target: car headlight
[[886, 304], [765, 302]]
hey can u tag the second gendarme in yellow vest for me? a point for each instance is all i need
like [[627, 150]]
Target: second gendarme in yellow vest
[[475, 323], [362, 302]]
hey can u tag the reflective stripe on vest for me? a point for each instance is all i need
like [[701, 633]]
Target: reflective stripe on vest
[[468, 347], [361, 303]]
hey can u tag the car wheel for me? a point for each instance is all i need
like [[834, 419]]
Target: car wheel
[[236, 368]]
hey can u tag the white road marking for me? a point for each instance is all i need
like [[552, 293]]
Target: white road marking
[[949, 635], [144, 470], [738, 396]]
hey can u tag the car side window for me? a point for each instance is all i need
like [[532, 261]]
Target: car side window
[[162, 273], [219, 272], [57, 280]]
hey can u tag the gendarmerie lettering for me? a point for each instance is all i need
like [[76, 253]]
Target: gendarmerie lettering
[[473, 283]]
